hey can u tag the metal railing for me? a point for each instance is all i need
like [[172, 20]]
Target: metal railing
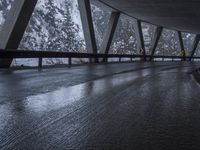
[[15, 54]]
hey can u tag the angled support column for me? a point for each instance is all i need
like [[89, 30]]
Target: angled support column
[[140, 38], [15, 26], [112, 25], [155, 41], [88, 28], [195, 45], [182, 49]]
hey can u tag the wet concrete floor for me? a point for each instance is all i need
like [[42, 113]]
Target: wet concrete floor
[[129, 106]]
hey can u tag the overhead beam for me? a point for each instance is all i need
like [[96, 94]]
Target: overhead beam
[[195, 45], [103, 6], [108, 37], [15, 26], [155, 40], [139, 37], [182, 48], [87, 23]]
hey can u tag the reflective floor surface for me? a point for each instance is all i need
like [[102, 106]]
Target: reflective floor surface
[[129, 106]]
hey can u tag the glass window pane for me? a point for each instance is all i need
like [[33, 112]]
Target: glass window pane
[[168, 44], [5, 6], [124, 41], [100, 20], [188, 40], [197, 52], [148, 34], [54, 26]]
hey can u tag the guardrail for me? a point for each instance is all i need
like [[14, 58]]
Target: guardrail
[[14, 54]]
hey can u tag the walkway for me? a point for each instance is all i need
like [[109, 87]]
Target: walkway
[[141, 106]]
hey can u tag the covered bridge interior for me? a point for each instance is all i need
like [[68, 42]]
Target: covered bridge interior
[[141, 101]]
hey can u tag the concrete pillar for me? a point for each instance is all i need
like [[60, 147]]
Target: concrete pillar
[[112, 25], [139, 37], [155, 40], [15, 26], [181, 45], [109, 34], [195, 45], [88, 28]]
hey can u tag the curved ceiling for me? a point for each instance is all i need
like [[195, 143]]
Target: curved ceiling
[[183, 15]]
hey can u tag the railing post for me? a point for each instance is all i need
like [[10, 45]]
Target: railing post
[[69, 61], [155, 40], [120, 59], [104, 59], [90, 60], [40, 62]]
